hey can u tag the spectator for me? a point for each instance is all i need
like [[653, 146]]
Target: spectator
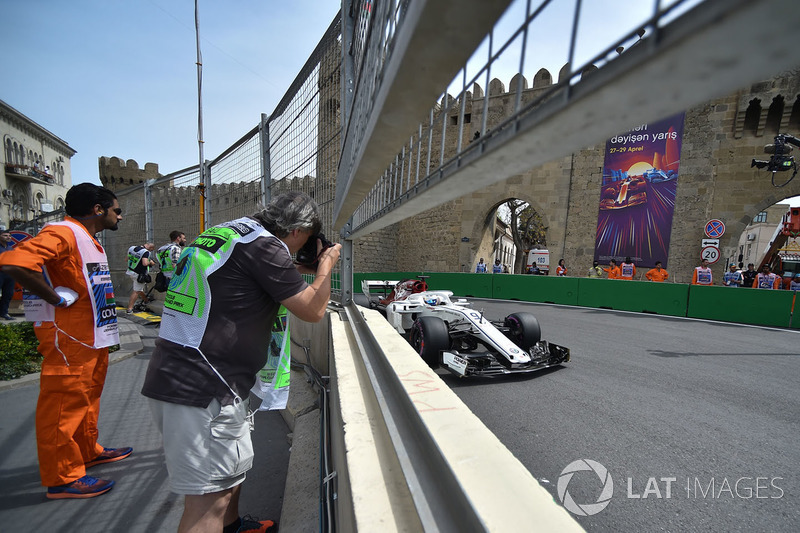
[[596, 271], [766, 279], [795, 285], [749, 276], [561, 270], [206, 357], [732, 278], [786, 280], [481, 267], [627, 269], [6, 281], [497, 268], [139, 262], [505, 269], [74, 335], [657, 274], [613, 270], [702, 274], [169, 254], [533, 269]]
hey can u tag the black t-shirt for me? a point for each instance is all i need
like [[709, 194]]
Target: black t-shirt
[[245, 297]]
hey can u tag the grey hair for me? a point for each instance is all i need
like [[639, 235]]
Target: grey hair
[[288, 212]]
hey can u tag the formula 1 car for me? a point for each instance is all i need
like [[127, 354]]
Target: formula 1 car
[[451, 334]]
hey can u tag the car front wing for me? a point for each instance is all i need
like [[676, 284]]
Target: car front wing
[[543, 355]]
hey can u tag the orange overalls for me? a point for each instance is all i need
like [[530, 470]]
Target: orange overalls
[[613, 272], [69, 395], [655, 274]]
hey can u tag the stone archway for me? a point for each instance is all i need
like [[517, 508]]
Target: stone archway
[[478, 217]]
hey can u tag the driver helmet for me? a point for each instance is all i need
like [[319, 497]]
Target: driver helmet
[[432, 300]]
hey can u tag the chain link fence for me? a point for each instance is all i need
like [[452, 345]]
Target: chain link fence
[[296, 148]]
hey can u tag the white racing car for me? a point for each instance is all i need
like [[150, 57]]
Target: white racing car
[[452, 334]]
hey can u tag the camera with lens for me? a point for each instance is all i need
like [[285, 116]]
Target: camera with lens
[[307, 255], [780, 160]]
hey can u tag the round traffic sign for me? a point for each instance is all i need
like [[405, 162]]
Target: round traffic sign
[[710, 254], [18, 236], [714, 229]]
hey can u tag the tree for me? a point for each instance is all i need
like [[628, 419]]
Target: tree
[[527, 229]]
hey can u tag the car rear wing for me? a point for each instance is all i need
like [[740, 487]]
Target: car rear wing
[[383, 286]]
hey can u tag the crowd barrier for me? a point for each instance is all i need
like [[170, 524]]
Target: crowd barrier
[[744, 306]]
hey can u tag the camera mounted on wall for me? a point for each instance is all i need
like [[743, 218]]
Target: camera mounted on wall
[[307, 255], [781, 160]]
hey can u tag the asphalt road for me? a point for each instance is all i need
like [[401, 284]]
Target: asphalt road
[[696, 422]]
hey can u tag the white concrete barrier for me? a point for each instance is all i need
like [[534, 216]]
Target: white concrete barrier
[[373, 491]]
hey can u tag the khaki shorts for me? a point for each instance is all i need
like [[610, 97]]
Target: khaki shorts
[[206, 450], [137, 287]]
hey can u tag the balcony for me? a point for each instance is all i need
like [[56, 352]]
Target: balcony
[[29, 174]]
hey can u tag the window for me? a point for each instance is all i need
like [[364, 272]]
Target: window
[[774, 115], [761, 217], [752, 115], [794, 118]]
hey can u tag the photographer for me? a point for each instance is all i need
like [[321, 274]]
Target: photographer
[[215, 333], [138, 270]]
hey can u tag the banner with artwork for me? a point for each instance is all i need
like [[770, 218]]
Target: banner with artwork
[[637, 199]]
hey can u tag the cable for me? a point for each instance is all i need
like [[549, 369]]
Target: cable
[[794, 166]]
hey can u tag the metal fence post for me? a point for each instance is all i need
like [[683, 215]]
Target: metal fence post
[[266, 174], [346, 274], [207, 191], [148, 210]]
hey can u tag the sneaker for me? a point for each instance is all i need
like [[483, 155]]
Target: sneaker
[[129, 311], [85, 487], [110, 455], [8, 317], [254, 525]]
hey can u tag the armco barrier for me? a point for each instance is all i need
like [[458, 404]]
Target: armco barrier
[[744, 306], [747, 306], [639, 296]]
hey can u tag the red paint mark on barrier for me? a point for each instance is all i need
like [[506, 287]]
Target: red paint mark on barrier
[[426, 384]]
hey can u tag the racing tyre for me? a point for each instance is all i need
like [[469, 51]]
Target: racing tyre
[[429, 336], [523, 329]]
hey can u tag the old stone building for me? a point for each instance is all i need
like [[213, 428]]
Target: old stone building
[[36, 166]]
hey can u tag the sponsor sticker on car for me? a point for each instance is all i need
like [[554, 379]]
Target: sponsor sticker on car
[[454, 362]]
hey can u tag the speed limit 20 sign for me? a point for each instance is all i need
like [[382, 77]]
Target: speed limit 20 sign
[[710, 254]]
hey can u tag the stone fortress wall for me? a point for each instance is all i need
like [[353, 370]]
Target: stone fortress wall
[[716, 181]]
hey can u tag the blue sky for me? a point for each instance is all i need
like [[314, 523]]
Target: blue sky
[[118, 78]]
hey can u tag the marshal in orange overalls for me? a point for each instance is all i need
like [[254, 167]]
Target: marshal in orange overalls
[[69, 394]]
